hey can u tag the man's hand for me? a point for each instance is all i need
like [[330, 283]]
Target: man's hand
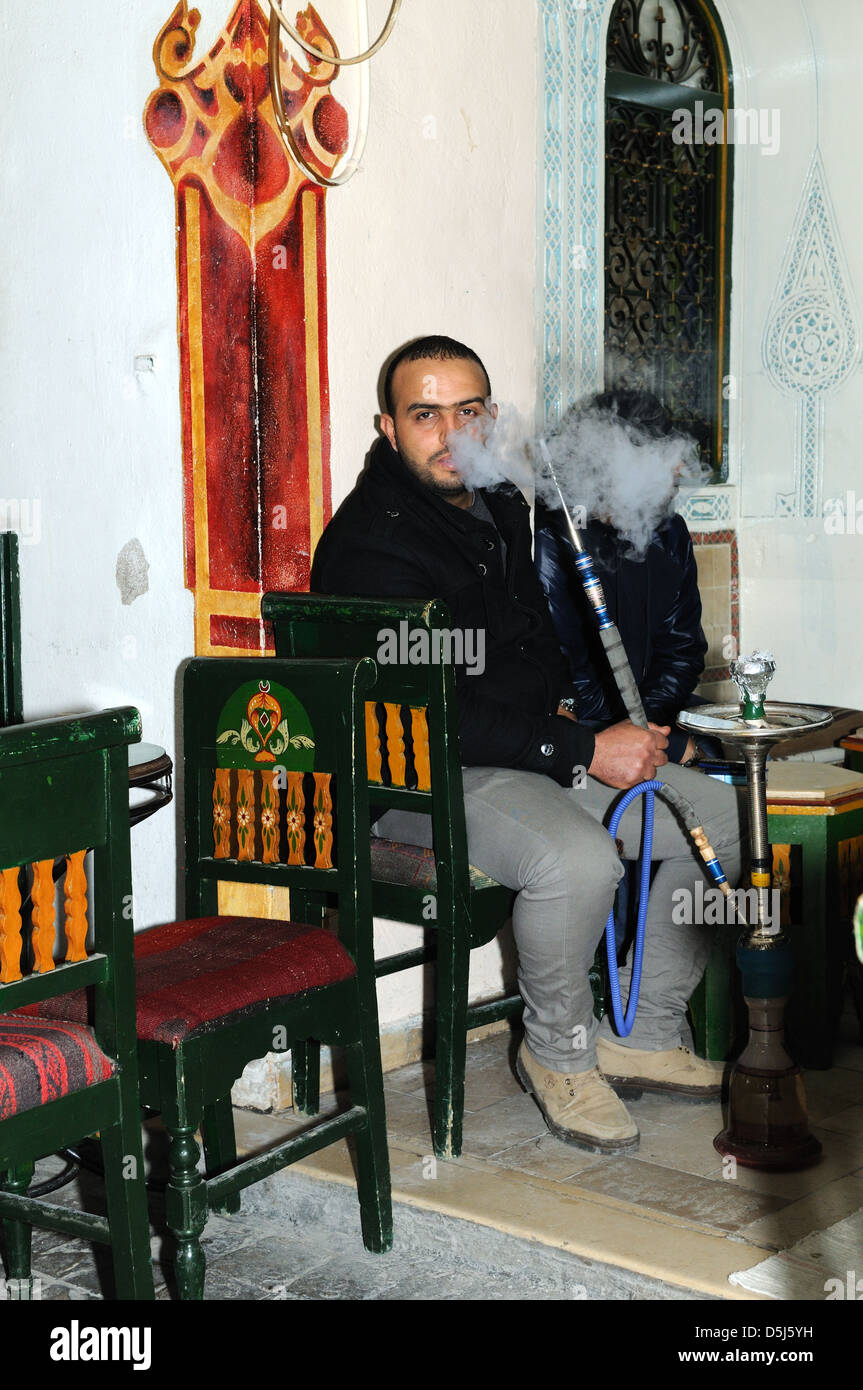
[[566, 714], [625, 754]]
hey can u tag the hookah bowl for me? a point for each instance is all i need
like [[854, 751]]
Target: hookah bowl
[[768, 1125]]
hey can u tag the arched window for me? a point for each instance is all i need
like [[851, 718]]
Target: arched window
[[668, 212]]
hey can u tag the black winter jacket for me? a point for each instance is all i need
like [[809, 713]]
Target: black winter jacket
[[656, 605], [394, 538]]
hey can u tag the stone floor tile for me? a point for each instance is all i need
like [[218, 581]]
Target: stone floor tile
[[218, 1287], [847, 1121], [344, 1278], [652, 1187], [849, 1056], [255, 1131], [830, 1091], [502, 1125], [678, 1111], [547, 1157], [490, 1081], [822, 1207], [408, 1117], [687, 1147], [271, 1266], [66, 1293], [78, 1262], [416, 1076]]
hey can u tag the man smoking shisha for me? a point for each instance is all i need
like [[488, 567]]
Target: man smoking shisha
[[537, 785]]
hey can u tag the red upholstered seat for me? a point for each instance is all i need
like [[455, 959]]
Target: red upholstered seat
[[191, 975], [43, 1059]]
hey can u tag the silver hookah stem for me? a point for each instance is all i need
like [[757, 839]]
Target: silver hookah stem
[[608, 632], [626, 683], [570, 524]]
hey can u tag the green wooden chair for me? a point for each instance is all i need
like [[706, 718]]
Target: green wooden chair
[[413, 762], [275, 794], [64, 791], [10, 632]]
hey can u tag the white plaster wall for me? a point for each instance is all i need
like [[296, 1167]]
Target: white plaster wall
[[436, 233], [801, 587], [88, 283]]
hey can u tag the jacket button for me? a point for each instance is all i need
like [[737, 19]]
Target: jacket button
[[393, 513], [489, 543], [546, 749], [482, 569]]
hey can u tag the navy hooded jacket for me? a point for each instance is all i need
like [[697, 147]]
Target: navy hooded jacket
[[655, 604]]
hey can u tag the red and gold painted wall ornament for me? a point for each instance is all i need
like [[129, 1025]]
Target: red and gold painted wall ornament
[[251, 283]]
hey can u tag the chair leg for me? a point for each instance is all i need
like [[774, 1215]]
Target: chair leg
[[220, 1147], [305, 1052], [450, 1044], [186, 1208], [306, 1076], [374, 1190], [18, 1235], [126, 1199]]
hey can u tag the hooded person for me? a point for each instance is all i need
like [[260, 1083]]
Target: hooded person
[[652, 598]]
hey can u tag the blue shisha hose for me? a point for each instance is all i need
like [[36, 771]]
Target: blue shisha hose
[[622, 1024], [624, 679]]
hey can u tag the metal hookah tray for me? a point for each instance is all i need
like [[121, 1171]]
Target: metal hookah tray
[[780, 721]]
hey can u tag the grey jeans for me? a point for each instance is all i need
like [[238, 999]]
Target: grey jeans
[[548, 842]]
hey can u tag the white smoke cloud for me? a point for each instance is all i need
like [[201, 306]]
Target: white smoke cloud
[[607, 467]]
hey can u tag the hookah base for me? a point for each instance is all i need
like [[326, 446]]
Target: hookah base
[[787, 1157], [768, 1126]]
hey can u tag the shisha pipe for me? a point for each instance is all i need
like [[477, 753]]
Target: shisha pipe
[[626, 684], [767, 1124], [767, 1120]]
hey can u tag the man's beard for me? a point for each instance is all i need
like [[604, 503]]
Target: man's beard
[[454, 488], [441, 487]]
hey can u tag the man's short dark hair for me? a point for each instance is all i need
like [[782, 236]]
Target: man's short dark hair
[[436, 346], [640, 408]]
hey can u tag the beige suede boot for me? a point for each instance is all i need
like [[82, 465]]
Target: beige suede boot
[[580, 1107], [675, 1071]]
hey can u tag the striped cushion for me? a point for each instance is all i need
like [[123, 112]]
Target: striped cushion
[[42, 1059], [411, 866]]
